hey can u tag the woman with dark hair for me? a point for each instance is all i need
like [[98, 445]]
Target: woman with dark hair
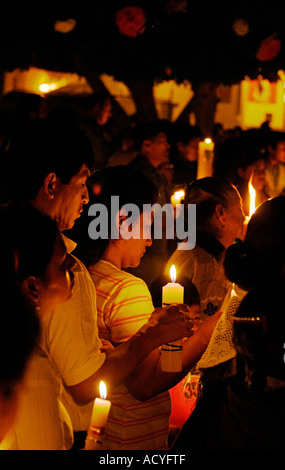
[[36, 257], [256, 268], [219, 220], [37, 273], [124, 304]]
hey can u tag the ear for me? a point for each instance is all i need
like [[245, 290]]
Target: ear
[[49, 185], [122, 217], [146, 145], [220, 214], [30, 288]]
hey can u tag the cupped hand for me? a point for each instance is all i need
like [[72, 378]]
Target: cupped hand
[[170, 323]]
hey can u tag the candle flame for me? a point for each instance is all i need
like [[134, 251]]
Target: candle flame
[[173, 273], [208, 140], [103, 390], [47, 87], [177, 196], [252, 196]]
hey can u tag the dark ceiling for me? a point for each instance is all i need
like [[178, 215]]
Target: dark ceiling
[[181, 39]]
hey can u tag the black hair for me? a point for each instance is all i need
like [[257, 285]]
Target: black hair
[[149, 130], [184, 133], [206, 193], [100, 97], [239, 152], [27, 240], [262, 254], [19, 334], [42, 146], [131, 186], [258, 334]]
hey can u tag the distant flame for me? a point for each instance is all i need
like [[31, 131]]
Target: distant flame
[[173, 273], [177, 197], [252, 196], [103, 390], [47, 87]]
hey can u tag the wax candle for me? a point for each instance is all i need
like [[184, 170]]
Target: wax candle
[[98, 420], [205, 158], [171, 353]]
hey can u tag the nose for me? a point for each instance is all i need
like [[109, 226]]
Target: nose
[[85, 196], [148, 242]]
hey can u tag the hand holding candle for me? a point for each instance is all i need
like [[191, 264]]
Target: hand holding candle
[[171, 353], [98, 420]]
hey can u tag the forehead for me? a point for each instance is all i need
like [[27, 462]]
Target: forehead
[[161, 137], [84, 172]]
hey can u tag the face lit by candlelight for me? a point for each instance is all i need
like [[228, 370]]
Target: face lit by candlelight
[[156, 149], [233, 218], [55, 287], [257, 171], [190, 150], [68, 199], [133, 249]]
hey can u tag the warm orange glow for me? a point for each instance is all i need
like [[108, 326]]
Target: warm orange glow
[[103, 390], [252, 196], [208, 140], [177, 196], [47, 87], [173, 273]]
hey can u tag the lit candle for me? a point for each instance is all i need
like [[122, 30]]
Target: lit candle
[[171, 353], [205, 158], [252, 196], [98, 420], [177, 197], [176, 201]]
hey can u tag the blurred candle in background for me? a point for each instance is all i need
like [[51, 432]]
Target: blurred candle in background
[[205, 158]]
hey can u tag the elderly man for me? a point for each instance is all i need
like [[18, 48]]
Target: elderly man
[[51, 164]]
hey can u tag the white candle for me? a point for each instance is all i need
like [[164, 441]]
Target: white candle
[[98, 420], [205, 158], [171, 353]]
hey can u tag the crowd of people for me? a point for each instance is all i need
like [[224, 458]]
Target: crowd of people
[[79, 309]]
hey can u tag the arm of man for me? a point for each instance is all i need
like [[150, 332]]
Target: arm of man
[[149, 380], [164, 325]]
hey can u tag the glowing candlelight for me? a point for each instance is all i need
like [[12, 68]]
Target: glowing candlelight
[[177, 197], [172, 293], [171, 354], [98, 420], [252, 196], [47, 87]]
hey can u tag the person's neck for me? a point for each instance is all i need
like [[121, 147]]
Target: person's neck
[[42, 206], [113, 256]]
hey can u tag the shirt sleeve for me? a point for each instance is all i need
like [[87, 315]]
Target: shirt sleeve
[[70, 333], [128, 309]]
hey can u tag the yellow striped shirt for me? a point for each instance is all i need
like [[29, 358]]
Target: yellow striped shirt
[[124, 304]]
